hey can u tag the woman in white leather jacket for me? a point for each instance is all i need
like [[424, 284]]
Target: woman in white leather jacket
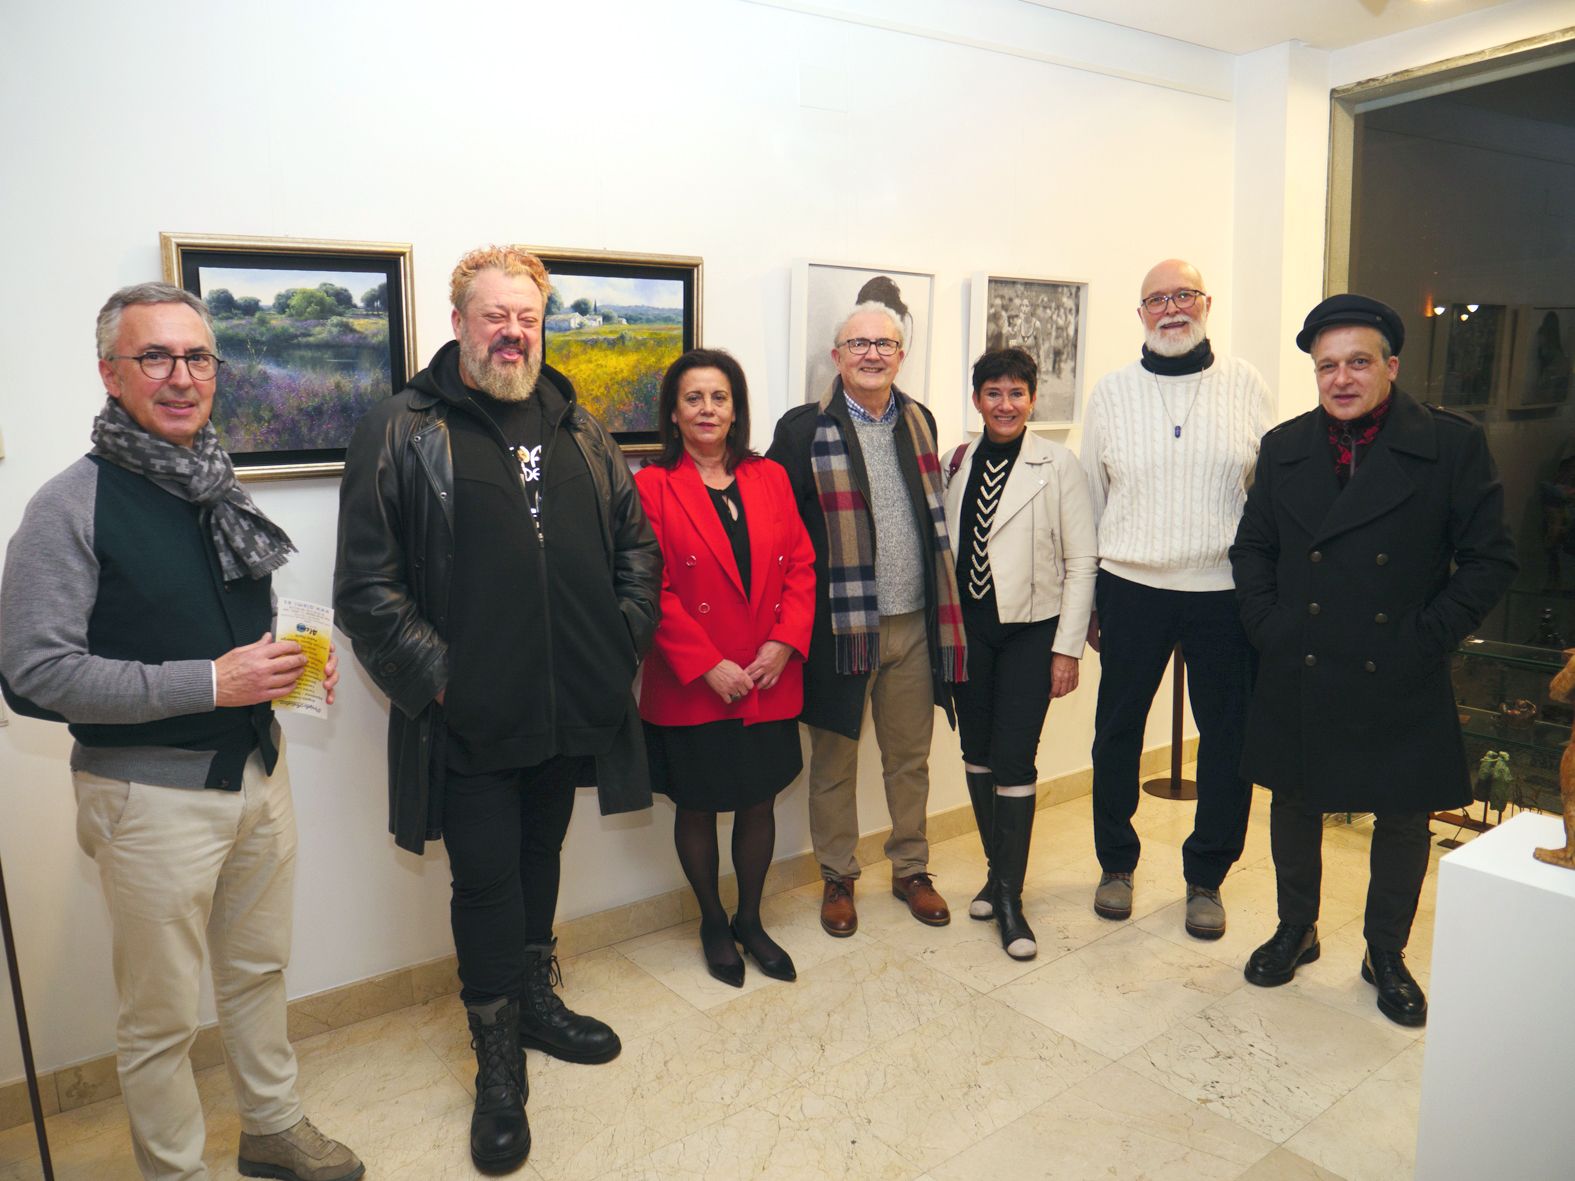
[[1020, 520]]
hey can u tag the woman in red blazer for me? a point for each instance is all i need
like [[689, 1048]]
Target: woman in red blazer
[[724, 680]]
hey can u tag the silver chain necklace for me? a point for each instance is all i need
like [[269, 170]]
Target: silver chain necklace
[[1196, 390]]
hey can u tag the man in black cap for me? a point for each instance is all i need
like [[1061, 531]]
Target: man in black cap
[[1372, 542]]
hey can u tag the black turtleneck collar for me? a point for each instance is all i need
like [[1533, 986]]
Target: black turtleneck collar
[[1195, 361]]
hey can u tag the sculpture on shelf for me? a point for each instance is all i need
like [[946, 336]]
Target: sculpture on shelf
[[1563, 689]]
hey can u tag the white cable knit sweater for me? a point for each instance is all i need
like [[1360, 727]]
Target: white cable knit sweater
[[1168, 507]]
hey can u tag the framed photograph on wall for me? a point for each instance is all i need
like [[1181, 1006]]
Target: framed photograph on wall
[[1468, 355], [823, 295], [1048, 318], [615, 322], [1542, 363], [313, 333]]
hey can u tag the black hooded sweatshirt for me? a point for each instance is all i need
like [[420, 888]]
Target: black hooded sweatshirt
[[540, 658]]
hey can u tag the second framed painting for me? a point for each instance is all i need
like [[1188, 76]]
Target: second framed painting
[[823, 295], [615, 322], [1048, 319]]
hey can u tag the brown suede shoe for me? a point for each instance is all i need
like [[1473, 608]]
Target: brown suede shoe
[[923, 902], [299, 1153], [837, 916]]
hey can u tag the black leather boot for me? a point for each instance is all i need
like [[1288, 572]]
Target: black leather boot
[[1275, 963], [1014, 829], [981, 790], [1400, 997], [499, 1135], [546, 1024]]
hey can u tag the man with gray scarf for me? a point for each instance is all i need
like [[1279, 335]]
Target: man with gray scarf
[[136, 607]]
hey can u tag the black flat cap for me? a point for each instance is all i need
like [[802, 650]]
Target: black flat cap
[[1352, 309]]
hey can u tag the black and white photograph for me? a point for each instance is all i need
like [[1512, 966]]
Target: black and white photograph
[[1048, 319], [824, 294]]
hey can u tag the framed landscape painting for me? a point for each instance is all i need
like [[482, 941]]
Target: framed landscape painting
[[313, 333], [823, 295], [1048, 319], [614, 323]]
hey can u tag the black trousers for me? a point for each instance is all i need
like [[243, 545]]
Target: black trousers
[[504, 831], [1138, 627], [1397, 865], [1001, 706]]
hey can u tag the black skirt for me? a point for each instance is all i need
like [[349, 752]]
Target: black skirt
[[723, 766]]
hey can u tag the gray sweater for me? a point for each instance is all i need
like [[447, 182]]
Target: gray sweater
[[112, 613]]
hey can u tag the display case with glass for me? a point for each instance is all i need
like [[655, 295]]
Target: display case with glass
[[1514, 731]]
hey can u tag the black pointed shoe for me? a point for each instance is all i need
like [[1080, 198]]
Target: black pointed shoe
[[1400, 997], [773, 960], [721, 955], [1275, 963], [499, 1135], [548, 1025]]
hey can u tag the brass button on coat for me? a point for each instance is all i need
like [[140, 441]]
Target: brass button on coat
[[1380, 618], [1315, 556], [1313, 608], [1370, 666], [1383, 559], [1310, 660]]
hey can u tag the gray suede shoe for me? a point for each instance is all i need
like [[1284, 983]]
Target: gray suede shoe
[[1113, 898], [1205, 913], [299, 1153]]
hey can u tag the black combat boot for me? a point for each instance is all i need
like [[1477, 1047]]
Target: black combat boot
[[499, 1135], [547, 1025]]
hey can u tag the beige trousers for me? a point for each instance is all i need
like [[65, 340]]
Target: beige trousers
[[179, 866], [902, 703]]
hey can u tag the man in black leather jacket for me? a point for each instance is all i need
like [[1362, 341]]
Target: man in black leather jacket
[[499, 581]]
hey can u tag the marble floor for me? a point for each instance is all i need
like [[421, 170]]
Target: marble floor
[[1125, 1050]]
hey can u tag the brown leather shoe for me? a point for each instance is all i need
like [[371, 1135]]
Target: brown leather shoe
[[837, 916], [923, 902]]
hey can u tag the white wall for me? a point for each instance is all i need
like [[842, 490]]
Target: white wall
[[626, 125]]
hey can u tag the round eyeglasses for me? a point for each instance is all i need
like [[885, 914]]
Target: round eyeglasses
[[1183, 299], [158, 364]]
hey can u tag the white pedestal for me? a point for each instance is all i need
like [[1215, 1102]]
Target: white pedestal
[[1499, 1067]]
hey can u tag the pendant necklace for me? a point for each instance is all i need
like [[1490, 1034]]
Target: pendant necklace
[[1176, 426]]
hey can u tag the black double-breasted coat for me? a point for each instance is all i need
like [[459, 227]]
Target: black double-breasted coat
[[1355, 598]]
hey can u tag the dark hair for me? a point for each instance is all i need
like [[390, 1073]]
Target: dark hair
[[1010, 363], [882, 289], [667, 403]]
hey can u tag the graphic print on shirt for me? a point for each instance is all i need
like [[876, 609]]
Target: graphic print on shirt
[[530, 471], [990, 485]]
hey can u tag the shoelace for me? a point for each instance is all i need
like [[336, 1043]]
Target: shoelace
[[498, 1054]]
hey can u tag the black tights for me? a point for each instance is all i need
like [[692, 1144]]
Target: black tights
[[754, 840]]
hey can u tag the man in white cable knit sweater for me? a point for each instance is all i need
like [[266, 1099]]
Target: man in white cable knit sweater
[[1169, 444]]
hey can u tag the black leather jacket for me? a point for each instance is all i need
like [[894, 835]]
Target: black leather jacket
[[391, 587]]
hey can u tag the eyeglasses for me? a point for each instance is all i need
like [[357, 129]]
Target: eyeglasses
[[859, 345], [158, 365], [1183, 299]]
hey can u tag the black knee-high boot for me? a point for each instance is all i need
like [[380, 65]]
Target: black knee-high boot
[[981, 790], [1014, 829]]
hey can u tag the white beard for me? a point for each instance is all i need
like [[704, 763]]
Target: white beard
[[1173, 345]]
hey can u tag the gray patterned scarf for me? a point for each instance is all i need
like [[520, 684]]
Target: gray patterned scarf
[[248, 544]]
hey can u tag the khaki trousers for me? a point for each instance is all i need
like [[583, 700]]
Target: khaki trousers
[[180, 865], [902, 703]]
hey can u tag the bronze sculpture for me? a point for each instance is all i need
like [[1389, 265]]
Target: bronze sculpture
[[1563, 689]]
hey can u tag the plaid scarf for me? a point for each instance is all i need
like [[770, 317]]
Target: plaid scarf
[[850, 542], [248, 544]]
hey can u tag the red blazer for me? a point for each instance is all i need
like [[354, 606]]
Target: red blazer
[[705, 616]]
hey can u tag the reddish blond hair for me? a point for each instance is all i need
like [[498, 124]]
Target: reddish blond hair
[[511, 260]]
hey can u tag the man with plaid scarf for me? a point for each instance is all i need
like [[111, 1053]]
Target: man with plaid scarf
[[866, 474]]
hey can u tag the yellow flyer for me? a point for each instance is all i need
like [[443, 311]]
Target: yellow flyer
[[311, 626]]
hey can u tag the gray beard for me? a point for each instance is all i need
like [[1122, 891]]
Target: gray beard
[[1176, 346], [506, 384]]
